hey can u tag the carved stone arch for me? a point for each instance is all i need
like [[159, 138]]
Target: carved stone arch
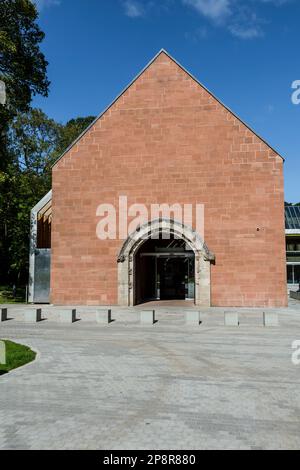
[[203, 259]]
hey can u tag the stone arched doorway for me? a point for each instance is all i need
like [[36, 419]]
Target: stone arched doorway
[[153, 230]]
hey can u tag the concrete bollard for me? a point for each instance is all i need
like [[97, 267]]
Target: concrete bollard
[[103, 316], [32, 315], [147, 317], [3, 314], [295, 295], [231, 319], [270, 319], [192, 317], [67, 316]]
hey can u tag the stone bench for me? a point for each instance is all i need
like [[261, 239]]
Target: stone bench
[[3, 314], [103, 316], [147, 317], [231, 319], [270, 319], [32, 315], [67, 316], [192, 317]]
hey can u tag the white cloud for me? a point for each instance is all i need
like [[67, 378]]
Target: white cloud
[[245, 24], [216, 10], [243, 32], [133, 9], [237, 16], [276, 2], [198, 34], [42, 4]]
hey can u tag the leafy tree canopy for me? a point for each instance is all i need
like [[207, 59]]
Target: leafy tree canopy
[[23, 67], [29, 140], [71, 130], [35, 141]]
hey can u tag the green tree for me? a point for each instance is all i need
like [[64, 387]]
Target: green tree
[[33, 138], [29, 140], [23, 70], [70, 131], [35, 141], [22, 65]]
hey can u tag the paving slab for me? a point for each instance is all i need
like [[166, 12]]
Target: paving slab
[[169, 387]]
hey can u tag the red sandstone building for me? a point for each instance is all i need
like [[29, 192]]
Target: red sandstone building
[[165, 139]]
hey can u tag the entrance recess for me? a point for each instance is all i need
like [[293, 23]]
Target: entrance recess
[[164, 270], [164, 259]]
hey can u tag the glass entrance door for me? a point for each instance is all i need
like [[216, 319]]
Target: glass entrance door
[[164, 270], [172, 278]]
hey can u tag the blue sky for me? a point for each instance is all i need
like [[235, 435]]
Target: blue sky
[[245, 51]]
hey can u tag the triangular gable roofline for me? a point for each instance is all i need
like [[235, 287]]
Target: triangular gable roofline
[[135, 78]]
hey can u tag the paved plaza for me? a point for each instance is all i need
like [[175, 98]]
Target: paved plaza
[[162, 386]]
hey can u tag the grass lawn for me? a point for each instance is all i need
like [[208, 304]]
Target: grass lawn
[[6, 295], [16, 356]]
